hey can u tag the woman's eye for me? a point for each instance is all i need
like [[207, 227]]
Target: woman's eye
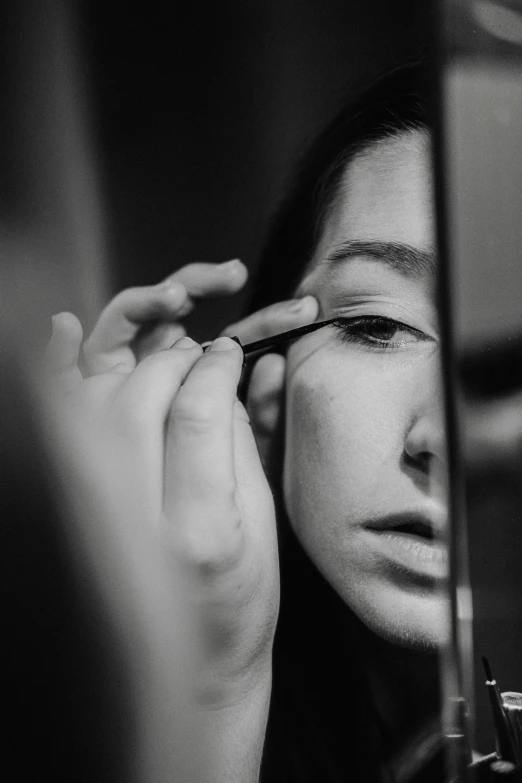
[[378, 331]]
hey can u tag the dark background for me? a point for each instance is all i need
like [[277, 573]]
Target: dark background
[[199, 111]]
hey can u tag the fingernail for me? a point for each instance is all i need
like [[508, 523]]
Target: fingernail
[[298, 304], [222, 344], [184, 343], [229, 266], [55, 320]]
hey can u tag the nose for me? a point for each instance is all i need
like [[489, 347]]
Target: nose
[[425, 442]]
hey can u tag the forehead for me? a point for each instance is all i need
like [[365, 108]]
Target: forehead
[[386, 193]]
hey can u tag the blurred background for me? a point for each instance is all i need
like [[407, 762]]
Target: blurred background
[[202, 110], [178, 124]]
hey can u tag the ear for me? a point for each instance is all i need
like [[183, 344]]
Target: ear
[[265, 404]]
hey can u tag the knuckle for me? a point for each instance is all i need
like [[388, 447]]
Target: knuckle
[[198, 412], [167, 292], [211, 552]]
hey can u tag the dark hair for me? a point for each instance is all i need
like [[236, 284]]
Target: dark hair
[[396, 103], [323, 727]]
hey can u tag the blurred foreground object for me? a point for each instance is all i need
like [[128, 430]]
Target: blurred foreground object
[[97, 644], [481, 91], [97, 638]]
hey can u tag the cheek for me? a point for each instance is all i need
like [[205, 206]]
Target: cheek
[[344, 439]]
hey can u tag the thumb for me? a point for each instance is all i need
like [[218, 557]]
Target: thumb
[[63, 351]]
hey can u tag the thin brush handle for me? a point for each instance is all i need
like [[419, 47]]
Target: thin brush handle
[[504, 738], [283, 337]]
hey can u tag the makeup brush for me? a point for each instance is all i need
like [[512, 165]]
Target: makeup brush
[[268, 343], [512, 703], [283, 337], [504, 739]]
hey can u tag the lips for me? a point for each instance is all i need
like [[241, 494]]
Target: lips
[[412, 542], [422, 526]]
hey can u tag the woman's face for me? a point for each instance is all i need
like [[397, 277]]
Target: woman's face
[[364, 474]]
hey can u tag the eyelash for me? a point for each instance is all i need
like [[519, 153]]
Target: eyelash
[[350, 330]]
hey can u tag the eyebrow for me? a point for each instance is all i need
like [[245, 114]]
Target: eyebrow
[[406, 259]]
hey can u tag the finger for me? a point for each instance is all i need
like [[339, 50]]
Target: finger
[[202, 280], [200, 477], [265, 401], [138, 415], [275, 318], [156, 337], [123, 317], [265, 393], [63, 352], [147, 396], [121, 321]]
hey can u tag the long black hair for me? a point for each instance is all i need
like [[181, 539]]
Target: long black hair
[[322, 724]]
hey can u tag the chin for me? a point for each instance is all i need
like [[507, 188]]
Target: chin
[[414, 619]]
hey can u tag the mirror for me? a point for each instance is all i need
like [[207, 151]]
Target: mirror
[[192, 123], [481, 68]]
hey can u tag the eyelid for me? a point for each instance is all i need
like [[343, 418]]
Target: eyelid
[[347, 330], [386, 310], [371, 318]]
